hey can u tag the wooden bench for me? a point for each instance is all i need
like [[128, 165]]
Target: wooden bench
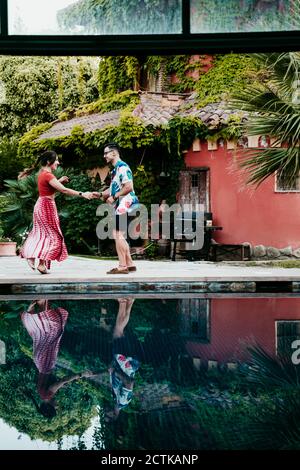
[[230, 252]]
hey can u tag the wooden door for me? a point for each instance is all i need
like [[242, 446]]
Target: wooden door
[[194, 189]]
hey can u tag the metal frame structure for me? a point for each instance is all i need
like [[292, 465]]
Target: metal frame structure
[[155, 44]]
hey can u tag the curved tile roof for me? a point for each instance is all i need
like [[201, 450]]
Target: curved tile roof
[[154, 109], [89, 123]]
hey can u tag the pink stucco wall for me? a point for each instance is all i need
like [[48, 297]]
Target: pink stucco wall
[[258, 216], [237, 323]]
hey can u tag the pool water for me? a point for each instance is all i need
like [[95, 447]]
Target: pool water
[[150, 373]]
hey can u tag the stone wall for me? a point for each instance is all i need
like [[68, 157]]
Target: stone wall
[[262, 252]]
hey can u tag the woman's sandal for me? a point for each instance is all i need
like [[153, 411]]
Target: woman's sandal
[[43, 270], [30, 264], [118, 271]]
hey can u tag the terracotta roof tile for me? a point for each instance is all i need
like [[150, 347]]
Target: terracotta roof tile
[[154, 109], [213, 115], [89, 123]]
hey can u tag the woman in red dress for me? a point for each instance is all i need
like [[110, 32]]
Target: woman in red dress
[[45, 242]]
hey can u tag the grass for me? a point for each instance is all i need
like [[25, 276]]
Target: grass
[[293, 263], [95, 257]]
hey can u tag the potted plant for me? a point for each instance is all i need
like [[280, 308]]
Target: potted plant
[[7, 246]]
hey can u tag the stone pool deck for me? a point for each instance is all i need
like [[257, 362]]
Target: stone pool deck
[[83, 275]]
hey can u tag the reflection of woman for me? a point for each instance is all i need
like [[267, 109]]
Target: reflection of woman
[[46, 242], [46, 329]]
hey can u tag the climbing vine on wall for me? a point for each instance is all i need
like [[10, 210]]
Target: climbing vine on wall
[[117, 74], [230, 74]]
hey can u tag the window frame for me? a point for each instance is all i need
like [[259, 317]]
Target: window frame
[[283, 191], [157, 44]]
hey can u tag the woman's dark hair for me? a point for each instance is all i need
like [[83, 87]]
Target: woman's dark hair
[[47, 157], [48, 410]]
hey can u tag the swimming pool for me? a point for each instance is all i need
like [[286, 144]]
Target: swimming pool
[[163, 372]]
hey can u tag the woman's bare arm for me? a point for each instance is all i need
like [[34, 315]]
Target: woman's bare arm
[[70, 192]]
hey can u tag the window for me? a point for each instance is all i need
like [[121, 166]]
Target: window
[[140, 27], [264, 141], [286, 333], [195, 180], [243, 142], [87, 17], [223, 16], [284, 184]]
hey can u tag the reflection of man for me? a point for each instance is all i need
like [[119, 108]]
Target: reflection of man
[[127, 352], [46, 328], [121, 194]]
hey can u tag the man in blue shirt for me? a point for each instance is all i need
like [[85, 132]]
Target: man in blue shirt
[[121, 194]]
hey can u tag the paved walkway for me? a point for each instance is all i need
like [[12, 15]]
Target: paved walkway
[[14, 270]]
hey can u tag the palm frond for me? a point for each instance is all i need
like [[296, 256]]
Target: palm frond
[[273, 110], [268, 371], [261, 164]]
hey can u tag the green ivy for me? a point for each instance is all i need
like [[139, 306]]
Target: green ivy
[[125, 99], [230, 74], [181, 66], [117, 74], [78, 147], [146, 186]]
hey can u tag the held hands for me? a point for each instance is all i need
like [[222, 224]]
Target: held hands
[[87, 373], [96, 195], [89, 195]]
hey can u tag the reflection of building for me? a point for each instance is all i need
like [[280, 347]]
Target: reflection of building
[[194, 319], [234, 324], [287, 331]]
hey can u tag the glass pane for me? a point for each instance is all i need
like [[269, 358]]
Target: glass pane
[[287, 333], [94, 17], [218, 16]]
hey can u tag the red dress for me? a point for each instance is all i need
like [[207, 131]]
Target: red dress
[[45, 241], [46, 329]]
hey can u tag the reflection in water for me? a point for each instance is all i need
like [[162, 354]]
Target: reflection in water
[[46, 327], [127, 352], [221, 373]]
